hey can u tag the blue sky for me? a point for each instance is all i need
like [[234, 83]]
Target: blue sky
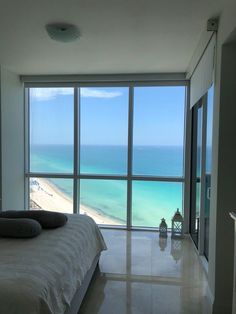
[[158, 115]]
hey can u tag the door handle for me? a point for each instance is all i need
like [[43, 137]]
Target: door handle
[[209, 193]]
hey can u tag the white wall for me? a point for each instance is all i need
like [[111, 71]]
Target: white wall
[[220, 273], [12, 137]]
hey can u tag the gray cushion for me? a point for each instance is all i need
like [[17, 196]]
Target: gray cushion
[[19, 228], [47, 219]]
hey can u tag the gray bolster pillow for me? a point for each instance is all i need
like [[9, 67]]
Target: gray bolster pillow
[[19, 228], [47, 219]]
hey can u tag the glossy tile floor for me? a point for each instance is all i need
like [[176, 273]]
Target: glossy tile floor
[[140, 273]]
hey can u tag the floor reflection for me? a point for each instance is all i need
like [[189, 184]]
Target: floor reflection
[[142, 273], [176, 249], [162, 243]]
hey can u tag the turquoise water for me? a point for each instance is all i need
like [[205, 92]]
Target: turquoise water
[[151, 200]]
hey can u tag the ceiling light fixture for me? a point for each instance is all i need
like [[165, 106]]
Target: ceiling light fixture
[[63, 32]]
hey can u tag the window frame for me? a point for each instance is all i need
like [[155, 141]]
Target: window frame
[[76, 176]]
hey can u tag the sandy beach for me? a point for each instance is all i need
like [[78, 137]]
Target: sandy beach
[[45, 195]]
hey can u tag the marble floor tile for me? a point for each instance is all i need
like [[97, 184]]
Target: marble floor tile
[[140, 273]]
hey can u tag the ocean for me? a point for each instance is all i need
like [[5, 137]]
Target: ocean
[[151, 200]]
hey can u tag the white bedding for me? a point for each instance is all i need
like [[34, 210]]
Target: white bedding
[[41, 275]]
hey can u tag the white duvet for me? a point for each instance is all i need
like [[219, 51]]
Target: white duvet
[[41, 275]]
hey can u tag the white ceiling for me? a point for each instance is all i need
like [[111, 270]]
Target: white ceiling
[[118, 36]]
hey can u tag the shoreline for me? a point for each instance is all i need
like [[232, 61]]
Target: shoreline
[[45, 195]]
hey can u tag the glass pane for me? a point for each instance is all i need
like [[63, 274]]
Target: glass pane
[[104, 130], [51, 130], [209, 128], [196, 172], [104, 200], [51, 194], [152, 201], [158, 131]]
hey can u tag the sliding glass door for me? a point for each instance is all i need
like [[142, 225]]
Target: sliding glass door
[[208, 169], [202, 117], [196, 172]]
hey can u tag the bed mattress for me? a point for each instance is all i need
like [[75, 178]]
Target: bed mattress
[[41, 275]]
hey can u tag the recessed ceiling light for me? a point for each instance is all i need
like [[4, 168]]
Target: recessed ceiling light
[[63, 32]]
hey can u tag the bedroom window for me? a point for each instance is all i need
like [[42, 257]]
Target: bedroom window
[[113, 152], [51, 193], [158, 136], [104, 130], [156, 199], [105, 200], [51, 136]]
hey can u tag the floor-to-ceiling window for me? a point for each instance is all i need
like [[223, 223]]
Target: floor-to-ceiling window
[[158, 151], [113, 152]]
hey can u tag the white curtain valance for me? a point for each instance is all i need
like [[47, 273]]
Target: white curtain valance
[[202, 78]]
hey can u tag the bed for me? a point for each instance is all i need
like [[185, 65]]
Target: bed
[[49, 274]]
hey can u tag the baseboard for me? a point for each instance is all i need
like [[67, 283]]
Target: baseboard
[[210, 298], [204, 263]]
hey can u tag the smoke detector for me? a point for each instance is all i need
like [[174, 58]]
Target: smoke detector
[[63, 32]]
